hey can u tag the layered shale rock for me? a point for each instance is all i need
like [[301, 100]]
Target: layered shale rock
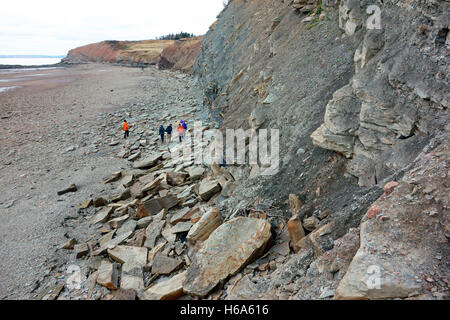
[[227, 250]]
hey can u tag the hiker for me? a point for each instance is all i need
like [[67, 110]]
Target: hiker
[[161, 133], [169, 133], [184, 127], [180, 130], [125, 129]]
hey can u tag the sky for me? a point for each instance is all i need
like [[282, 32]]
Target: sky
[[49, 27]]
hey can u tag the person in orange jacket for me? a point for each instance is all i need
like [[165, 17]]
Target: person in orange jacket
[[125, 129], [180, 130]]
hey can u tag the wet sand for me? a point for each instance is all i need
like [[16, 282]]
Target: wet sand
[[53, 110]]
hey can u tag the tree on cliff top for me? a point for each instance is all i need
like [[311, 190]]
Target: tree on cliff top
[[177, 36]]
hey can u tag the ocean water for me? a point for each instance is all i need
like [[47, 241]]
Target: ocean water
[[29, 61]]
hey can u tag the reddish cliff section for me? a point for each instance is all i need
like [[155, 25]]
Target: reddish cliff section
[[168, 54], [181, 55]]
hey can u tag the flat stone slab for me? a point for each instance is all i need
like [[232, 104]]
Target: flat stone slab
[[228, 249], [108, 275], [208, 188], [167, 290], [129, 254], [102, 215], [148, 162], [205, 226], [165, 265], [155, 206]]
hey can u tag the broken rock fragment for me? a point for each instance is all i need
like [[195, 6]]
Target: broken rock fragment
[[208, 188], [108, 275], [165, 265], [71, 188], [228, 249], [205, 226], [167, 290]]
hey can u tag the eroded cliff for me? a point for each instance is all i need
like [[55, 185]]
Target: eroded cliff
[[359, 93], [173, 54]]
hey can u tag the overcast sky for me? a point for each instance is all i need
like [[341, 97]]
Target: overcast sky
[[50, 27]]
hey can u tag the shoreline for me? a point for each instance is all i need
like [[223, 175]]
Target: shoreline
[[57, 131], [20, 66]]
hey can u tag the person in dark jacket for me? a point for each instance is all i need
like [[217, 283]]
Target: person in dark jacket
[[161, 133], [169, 133]]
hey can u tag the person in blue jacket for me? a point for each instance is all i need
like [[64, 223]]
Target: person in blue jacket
[[169, 133], [161, 133]]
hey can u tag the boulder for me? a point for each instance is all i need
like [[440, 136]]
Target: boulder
[[227, 250], [195, 173], [166, 290], [154, 206], [152, 232], [208, 188], [165, 265], [205, 226], [148, 162], [108, 275], [175, 178], [128, 254], [132, 276]]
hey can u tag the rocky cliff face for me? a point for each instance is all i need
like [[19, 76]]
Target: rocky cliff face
[[359, 91], [179, 55]]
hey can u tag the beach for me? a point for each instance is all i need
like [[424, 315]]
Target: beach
[[62, 126]]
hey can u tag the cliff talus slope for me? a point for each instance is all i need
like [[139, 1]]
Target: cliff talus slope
[[359, 91]]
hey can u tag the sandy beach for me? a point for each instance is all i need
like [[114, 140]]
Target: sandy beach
[[56, 129]]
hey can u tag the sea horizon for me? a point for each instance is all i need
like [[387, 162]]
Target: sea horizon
[[30, 60]]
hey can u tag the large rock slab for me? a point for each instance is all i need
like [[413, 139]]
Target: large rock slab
[[129, 254], [165, 265], [112, 243], [403, 243], [108, 275], [195, 173], [205, 226], [167, 290], [175, 178], [148, 162], [208, 188], [132, 276], [152, 232], [227, 250], [154, 206]]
